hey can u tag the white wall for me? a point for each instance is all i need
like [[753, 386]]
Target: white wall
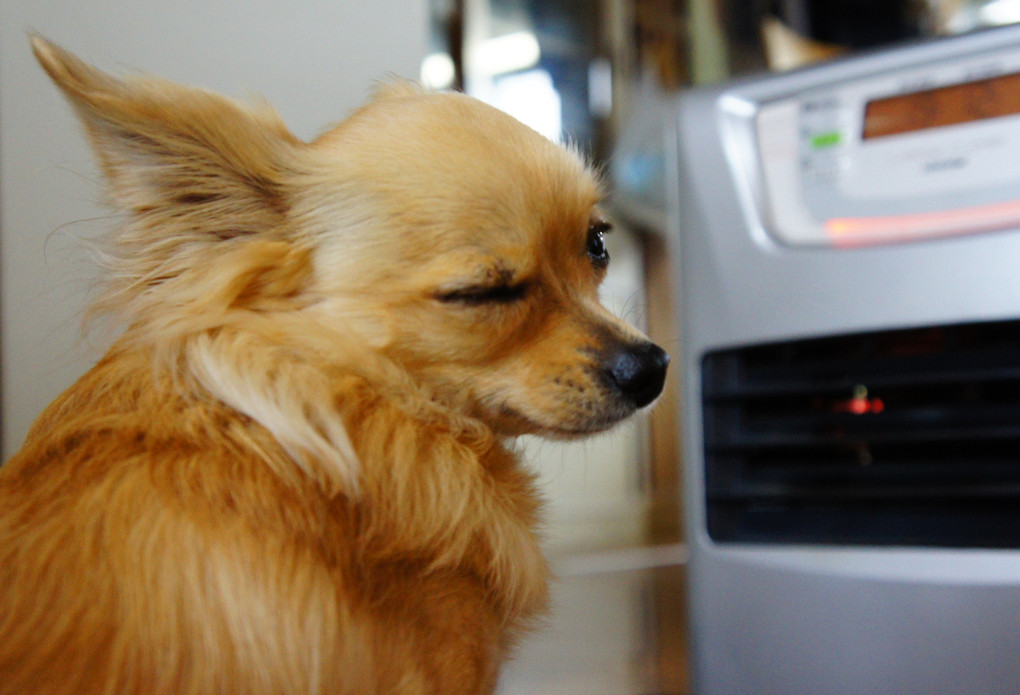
[[313, 59]]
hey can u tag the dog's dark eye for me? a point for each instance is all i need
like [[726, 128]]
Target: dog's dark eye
[[473, 296], [597, 251]]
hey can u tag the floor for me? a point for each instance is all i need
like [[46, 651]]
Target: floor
[[617, 627]]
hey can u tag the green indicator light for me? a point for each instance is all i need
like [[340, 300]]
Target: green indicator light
[[829, 139]]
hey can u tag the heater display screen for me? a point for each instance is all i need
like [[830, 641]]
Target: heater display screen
[[933, 108]]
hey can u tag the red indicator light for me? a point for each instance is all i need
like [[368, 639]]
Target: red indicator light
[[860, 403]]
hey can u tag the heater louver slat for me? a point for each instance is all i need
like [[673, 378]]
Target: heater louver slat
[[906, 437]]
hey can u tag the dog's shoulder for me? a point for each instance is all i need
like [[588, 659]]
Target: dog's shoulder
[[444, 488]]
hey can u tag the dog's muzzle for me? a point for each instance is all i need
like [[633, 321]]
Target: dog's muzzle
[[636, 372]]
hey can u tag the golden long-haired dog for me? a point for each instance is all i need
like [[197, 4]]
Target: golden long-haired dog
[[292, 474]]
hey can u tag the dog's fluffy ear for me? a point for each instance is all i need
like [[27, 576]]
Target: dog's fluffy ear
[[396, 87], [166, 147]]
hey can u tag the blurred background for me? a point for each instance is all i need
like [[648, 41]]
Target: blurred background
[[597, 73]]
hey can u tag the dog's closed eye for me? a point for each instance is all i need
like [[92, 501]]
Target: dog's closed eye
[[485, 294]]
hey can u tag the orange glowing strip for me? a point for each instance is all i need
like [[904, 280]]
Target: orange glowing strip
[[959, 221]]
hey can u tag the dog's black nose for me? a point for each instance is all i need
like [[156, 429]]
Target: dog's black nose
[[637, 371]]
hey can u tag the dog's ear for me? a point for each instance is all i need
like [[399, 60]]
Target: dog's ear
[[396, 87], [166, 149]]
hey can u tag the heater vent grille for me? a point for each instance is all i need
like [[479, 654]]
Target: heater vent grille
[[903, 437]]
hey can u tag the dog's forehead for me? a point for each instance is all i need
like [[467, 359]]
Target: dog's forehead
[[445, 139], [446, 172]]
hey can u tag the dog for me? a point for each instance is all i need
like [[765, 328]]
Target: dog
[[294, 472]]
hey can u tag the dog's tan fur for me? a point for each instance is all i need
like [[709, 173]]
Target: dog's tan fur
[[291, 474]]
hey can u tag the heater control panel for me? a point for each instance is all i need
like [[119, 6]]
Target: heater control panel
[[909, 154]]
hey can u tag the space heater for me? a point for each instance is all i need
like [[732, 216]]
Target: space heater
[[849, 270]]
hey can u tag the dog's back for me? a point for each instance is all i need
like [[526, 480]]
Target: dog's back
[[145, 547]]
